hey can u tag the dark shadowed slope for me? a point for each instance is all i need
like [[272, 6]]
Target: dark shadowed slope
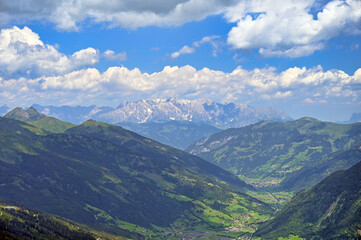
[[23, 223], [103, 176], [151, 148]]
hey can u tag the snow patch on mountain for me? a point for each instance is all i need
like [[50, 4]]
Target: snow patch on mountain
[[163, 110]]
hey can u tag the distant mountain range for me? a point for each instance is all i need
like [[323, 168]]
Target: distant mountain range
[[356, 117], [73, 114], [175, 122], [164, 110]]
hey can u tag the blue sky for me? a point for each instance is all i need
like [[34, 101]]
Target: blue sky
[[302, 57]]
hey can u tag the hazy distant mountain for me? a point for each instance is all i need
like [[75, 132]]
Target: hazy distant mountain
[[163, 110], [176, 122], [73, 114], [179, 134], [4, 109], [356, 117]]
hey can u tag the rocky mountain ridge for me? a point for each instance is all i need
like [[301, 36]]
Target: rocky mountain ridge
[[164, 110], [29, 115]]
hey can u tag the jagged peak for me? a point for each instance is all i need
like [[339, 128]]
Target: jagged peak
[[32, 110], [175, 108], [29, 115]]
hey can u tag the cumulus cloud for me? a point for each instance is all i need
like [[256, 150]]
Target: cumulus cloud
[[207, 39], [309, 100], [22, 53], [86, 80], [68, 14], [184, 50], [212, 40], [110, 55], [276, 28], [288, 28], [86, 86], [293, 52]]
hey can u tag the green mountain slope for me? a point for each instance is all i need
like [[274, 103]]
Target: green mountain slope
[[33, 117], [52, 125], [267, 153], [329, 210], [318, 170], [154, 149], [118, 179], [179, 134]]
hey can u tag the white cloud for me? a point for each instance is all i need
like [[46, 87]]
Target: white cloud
[[287, 28], [184, 50], [110, 55], [277, 28], [85, 57], [293, 52], [310, 101], [212, 40], [207, 39], [85, 80], [67, 14], [22, 53], [117, 84], [282, 94]]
